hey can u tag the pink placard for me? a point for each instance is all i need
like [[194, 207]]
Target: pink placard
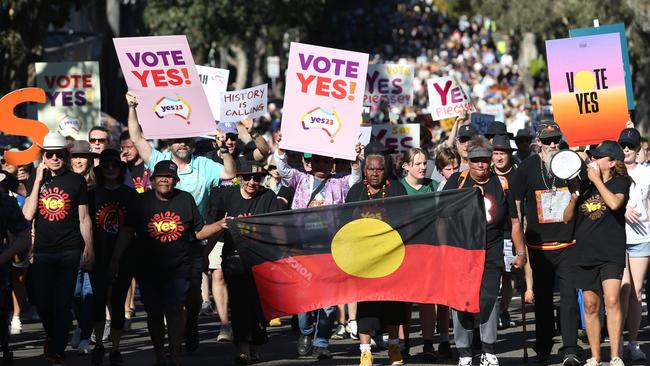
[[161, 72], [323, 100]]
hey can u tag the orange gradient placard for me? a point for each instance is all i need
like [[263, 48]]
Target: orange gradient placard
[[12, 125], [588, 87]]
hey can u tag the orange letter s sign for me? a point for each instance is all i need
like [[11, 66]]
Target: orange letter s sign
[[12, 125]]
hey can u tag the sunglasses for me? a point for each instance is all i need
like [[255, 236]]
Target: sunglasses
[[231, 136], [480, 160], [256, 178], [628, 146], [549, 140], [61, 154], [94, 140], [463, 140]]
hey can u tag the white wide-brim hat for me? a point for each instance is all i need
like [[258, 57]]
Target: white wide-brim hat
[[54, 141]]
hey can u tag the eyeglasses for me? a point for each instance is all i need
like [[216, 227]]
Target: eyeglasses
[[94, 140], [550, 140], [256, 178], [59, 154]]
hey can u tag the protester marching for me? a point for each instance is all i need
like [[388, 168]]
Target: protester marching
[[413, 206]]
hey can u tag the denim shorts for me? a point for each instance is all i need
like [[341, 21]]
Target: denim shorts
[[638, 250], [158, 295]]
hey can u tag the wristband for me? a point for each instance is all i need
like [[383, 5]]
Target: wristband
[[521, 254]]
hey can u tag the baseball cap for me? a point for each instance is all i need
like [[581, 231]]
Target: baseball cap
[[479, 152], [249, 167], [608, 148], [166, 168], [630, 136], [467, 131], [227, 127], [548, 129]]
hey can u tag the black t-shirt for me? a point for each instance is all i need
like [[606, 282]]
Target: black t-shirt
[[228, 200], [166, 233], [600, 232], [499, 209], [543, 206], [509, 177], [11, 221], [358, 192], [111, 210], [57, 214]]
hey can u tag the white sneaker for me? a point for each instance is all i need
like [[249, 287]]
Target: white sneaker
[[107, 331], [351, 328], [76, 338], [225, 334], [488, 359], [632, 349], [592, 362], [84, 347], [616, 361], [339, 333], [16, 326], [465, 361]]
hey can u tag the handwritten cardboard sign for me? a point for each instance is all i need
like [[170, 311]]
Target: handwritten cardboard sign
[[447, 98], [214, 82], [239, 104], [399, 138], [392, 83]]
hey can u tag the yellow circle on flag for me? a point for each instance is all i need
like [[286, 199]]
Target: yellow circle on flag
[[368, 248], [585, 81]]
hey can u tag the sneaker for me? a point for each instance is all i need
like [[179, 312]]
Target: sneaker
[[304, 345], [488, 359], [465, 361], [444, 350], [351, 328], [107, 331], [635, 352], [571, 360], [377, 341], [428, 352], [340, 332], [115, 358], [97, 356], [504, 320], [206, 308], [321, 353], [395, 355], [242, 359], [16, 326], [592, 362], [616, 361], [84, 347], [76, 338], [225, 334], [275, 322], [366, 359]]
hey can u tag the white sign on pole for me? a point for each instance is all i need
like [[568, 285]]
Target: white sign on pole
[[214, 82]]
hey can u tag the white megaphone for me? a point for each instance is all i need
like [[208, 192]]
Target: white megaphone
[[566, 164]]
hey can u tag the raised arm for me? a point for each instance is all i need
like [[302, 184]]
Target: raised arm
[[31, 203], [261, 146], [135, 133]]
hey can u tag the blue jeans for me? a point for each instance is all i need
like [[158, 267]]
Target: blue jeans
[[83, 304], [320, 328], [54, 276]]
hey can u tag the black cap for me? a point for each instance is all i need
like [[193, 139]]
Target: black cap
[[502, 143], [523, 134], [630, 136], [608, 148], [497, 128], [467, 131], [548, 129], [166, 168], [249, 167], [376, 148]]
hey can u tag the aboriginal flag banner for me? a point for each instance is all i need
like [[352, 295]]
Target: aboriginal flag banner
[[426, 248]]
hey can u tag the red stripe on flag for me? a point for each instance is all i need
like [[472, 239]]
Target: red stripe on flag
[[435, 274]]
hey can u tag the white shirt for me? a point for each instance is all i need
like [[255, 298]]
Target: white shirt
[[639, 194]]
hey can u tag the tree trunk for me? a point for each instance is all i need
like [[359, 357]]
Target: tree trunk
[[527, 53]]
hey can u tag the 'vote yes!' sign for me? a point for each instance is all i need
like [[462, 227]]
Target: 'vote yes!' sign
[[162, 74]]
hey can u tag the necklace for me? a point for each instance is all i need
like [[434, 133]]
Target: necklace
[[504, 173], [383, 191], [541, 169]]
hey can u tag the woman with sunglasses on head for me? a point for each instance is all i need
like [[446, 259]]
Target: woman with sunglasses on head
[[247, 198], [58, 203], [599, 258]]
